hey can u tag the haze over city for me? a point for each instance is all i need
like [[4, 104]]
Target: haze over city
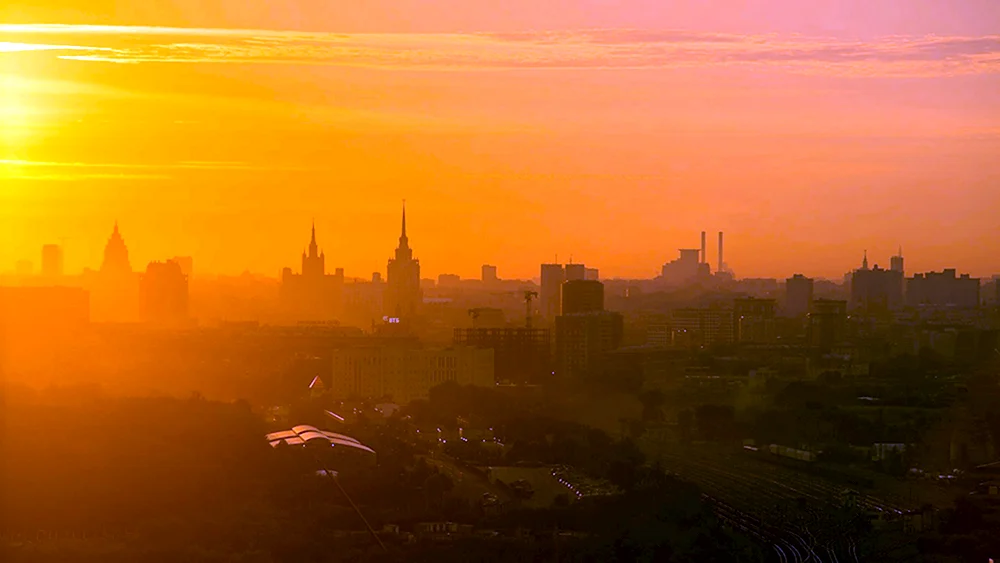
[[288, 281]]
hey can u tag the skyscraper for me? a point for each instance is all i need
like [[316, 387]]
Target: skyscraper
[[876, 290], [489, 274], [553, 276], [52, 261], [896, 262], [313, 295], [116, 255], [582, 296], [798, 295], [403, 294], [576, 272]]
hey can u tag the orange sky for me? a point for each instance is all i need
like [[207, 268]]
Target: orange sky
[[610, 131]]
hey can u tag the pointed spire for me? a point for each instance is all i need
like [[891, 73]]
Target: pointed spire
[[116, 227], [313, 240], [864, 263], [404, 219]]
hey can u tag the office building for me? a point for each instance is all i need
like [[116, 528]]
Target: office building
[[896, 262], [942, 289], [489, 276], [827, 323], [403, 296], [312, 295], [553, 276], [575, 272], [520, 355], [115, 289], [753, 320], [696, 327], [592, 274], [163, 294], [798, 295], [403, 373], [116, 255], [52, 261], [876, 291], [582, 296], [583, 339]]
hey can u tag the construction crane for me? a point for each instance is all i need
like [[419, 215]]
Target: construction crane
[[528, 295]]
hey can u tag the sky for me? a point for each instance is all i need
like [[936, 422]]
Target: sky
[[609, 132]]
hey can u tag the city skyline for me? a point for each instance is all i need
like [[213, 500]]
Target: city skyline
[[613, 132], [475, 271]]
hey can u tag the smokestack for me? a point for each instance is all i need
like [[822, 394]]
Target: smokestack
[[720, 252], [704, 256]]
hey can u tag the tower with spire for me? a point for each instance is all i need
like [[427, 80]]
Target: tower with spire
[[312, 295], [403, 296], [116, 255]]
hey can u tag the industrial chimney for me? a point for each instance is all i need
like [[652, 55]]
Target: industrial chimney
[[704, 256], [720, 252]]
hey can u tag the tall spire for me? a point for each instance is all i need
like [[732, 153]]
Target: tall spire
[[116, 228], [864, 262], [403, 241], [312, 241]]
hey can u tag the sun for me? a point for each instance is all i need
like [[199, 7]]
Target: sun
[[15, 113]]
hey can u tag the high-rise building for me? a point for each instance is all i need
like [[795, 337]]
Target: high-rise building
[[163, 294], [582, 296], [753, 320], [520, 355], [403, 295], [583, 339], [827, 323], [116, 255], [553, 276], [943, 289], [52, 261], [876, 290], [576, 272], [798, 295], [449, 280], [313, 295], [489, 276], [592, 274], [896, 262], [695, 327]]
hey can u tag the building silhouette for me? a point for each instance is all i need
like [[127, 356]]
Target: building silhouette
[[402, 373], [798, 295], [583, 340], [115, 288], [706, 326], [582, 296], [163, 294], [520, 355], [553, 276], [489, 276], [313, 295], [592, 274], [52, 261], [942, 289], [576, 272], [687, 268], [896, 262], [187, 265], [116, 260], [403, 295], [876, 291], [827, 323], [753, 320]]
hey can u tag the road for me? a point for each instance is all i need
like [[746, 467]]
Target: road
[[468, 485]]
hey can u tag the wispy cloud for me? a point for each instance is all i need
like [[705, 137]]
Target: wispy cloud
[[584, 49], [14, 169]]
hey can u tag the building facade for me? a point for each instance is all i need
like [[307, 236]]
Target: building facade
[[520, 355], [753, 320], [582, 340], [163, 294], [798, 295], [582, 296], [405, 373], [942, 289], [553, 276]]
